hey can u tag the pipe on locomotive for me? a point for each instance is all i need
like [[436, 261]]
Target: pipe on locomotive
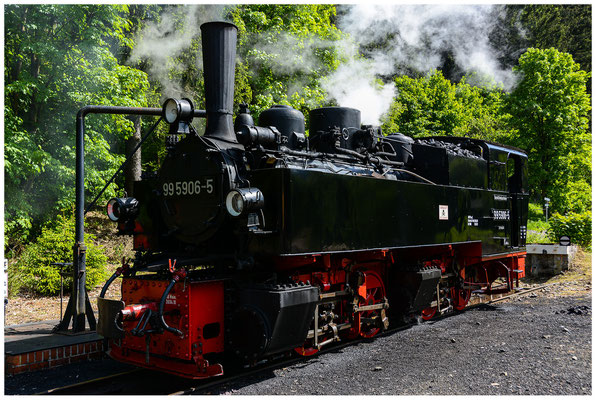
[[176, 276], [119, 271]]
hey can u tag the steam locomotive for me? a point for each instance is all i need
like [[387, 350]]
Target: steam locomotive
[[254, 240]]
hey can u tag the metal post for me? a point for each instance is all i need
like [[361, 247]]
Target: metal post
[[316, 326], [79, 307], [79, 249], [61, 290]]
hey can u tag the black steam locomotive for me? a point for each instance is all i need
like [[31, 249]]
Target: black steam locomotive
[[256, 239]]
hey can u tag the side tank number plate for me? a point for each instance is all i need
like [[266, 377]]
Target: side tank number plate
[[185, 188], [500, 215]]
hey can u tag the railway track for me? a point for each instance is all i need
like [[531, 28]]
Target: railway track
[[148, 382]]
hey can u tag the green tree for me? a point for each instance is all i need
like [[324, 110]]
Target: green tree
[[566, 27], [285, 50], [507, 36], [33, 271], [59, 58], [434, 106], [550, 114]]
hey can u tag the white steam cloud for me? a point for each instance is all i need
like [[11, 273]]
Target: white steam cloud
[[397, 38], [286, 54], [356, 84], [161, 42]]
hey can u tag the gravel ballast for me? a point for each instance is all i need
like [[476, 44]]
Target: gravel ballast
[[528, 345]]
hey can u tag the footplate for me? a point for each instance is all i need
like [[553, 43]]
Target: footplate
[[181, 368]]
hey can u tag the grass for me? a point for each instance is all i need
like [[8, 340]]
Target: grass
[[537, 232], [535, 212], [537, 226], [578, 277], [580, 269]]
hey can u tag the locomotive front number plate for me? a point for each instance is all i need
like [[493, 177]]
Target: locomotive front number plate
[[184, 188]]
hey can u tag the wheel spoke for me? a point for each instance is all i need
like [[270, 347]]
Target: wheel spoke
[[460, 298], [375, 294]]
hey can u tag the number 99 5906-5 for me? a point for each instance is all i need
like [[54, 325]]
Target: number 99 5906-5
[[185, 188]]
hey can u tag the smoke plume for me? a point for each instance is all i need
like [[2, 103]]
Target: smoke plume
[[162, 42], [395, 39]]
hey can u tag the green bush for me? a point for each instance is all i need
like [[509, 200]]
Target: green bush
[[537, 226], [575, 225], [537, 232], [33, 272], [535, 212]]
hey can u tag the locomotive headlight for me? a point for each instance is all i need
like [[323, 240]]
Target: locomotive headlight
[[175, 110], [241, 201], [123, 209]]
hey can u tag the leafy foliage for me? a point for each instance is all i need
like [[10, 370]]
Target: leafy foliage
[[33, 271], [535, 211], [538, 232], [578, 226], [564, 27], [59, 58], [537, 225], [285, 50], [433, 105], [550, 111]]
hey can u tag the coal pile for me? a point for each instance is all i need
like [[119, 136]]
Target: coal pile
[[577, 310]]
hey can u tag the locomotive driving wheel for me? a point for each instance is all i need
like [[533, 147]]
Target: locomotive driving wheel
[[428, 313], [375, 294]]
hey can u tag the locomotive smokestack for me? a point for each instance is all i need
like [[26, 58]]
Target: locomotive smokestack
[[219, 59]]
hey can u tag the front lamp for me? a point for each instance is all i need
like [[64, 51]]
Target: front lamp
[[241, 201], [123, 209], [175, 110]]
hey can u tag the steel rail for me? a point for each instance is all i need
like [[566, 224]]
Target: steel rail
[[57, 390]]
